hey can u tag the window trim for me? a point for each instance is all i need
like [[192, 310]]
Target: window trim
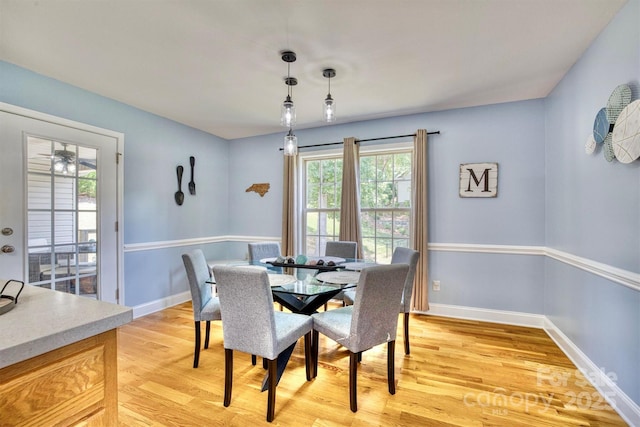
[[300, 191]]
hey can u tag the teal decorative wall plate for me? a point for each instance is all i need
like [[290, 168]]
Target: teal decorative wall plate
[[619, 98]]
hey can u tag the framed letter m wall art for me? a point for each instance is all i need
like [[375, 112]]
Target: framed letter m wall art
[[479, 180]]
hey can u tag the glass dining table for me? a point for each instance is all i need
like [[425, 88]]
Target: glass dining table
[[306, 295], [304, 289]]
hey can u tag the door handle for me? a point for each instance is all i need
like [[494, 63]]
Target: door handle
[[7, 249]]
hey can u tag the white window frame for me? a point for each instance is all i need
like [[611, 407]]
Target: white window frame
[[301, 201]]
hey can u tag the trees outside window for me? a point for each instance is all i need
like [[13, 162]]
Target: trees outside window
[[385, 202]]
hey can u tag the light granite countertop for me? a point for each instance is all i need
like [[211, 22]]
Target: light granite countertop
[[44, 320]]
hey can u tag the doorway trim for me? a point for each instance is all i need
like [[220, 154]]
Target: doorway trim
[[119, 137]]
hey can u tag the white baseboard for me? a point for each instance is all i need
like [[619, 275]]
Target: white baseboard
[[487, 315], [160, 304], [598, 377]]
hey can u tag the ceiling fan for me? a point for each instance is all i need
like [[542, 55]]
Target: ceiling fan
[[64, 161]]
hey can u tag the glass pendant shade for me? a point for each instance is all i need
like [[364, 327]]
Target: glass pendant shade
[[329, 106], [290, 144], [329, 109], [288, 113]]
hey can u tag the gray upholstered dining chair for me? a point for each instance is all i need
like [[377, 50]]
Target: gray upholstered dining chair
[[370, 321], [400, 256], [206, 306], [260, 250], [251, 325], [342, 249]]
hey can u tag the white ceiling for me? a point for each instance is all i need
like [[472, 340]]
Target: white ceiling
[[215, 64]]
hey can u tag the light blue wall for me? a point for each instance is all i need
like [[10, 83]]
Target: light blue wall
[[593, 207], [154, 146], [490, 281], [510, 134]]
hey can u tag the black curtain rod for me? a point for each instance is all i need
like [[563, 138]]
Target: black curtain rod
[[437, 132]]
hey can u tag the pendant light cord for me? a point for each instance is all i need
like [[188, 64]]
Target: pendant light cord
[[288, 79]]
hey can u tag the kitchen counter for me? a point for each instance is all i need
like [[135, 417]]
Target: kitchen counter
[[58, 359], [44, 320]]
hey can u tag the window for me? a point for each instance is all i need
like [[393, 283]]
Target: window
[[385, 201], [323, 189], [62, 216]]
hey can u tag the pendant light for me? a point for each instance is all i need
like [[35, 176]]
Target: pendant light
[[290, 144], [329, 106], [288, 110]]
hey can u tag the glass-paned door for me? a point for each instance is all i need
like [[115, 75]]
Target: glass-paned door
[[60, 186]]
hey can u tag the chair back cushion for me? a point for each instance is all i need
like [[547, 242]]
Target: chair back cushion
[[260, 250], [342, 249], [406, 256], [198, 274], [246, 304], [375, 309]]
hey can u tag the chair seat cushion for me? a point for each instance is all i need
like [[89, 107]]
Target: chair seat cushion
[[335, 324], [289, 328], [210, 311]]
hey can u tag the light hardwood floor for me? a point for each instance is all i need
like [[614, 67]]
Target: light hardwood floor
[[459, 373]]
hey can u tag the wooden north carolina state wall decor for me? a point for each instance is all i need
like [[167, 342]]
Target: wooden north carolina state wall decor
[[261, 188]]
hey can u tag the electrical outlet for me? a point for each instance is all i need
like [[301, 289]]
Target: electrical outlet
[[436, 285]]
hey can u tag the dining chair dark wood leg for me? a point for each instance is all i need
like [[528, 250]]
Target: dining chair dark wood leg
[[273, 382], [196, 354], [314, 351], [391, 366], [359, 357], [206, 334], [308, 362], [353, 384], [228, 375], [406, 333], [254, 359]]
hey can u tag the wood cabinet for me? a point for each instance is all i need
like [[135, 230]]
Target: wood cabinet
[[72, 385]]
